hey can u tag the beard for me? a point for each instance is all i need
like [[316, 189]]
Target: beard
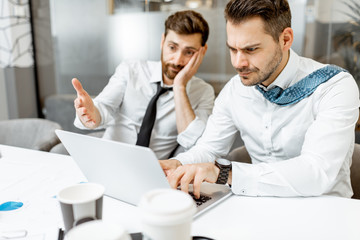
[[171, 73], [261, 75], [170, 70]]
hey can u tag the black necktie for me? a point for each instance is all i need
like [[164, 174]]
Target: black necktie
[[149, 118]]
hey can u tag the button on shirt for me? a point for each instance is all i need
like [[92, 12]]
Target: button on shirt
[[123, 102], [303, 149]]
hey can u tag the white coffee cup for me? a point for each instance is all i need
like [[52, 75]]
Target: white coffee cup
[[81, 203], [98, 230], [167, 214]]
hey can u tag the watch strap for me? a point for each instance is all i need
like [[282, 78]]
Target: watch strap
[[223, 174]]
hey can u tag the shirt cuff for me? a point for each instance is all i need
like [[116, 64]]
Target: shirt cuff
[[245, 178], [196, 154], [192, 133], [183, 160], [78, 123], [101, 112]]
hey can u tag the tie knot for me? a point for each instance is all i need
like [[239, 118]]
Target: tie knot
[[161, 90]]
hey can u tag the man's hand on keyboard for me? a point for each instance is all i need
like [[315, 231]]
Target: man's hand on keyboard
[[195, 174], [169, 165]]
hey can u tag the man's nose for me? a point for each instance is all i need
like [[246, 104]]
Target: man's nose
[[240, 60], [179, 59]]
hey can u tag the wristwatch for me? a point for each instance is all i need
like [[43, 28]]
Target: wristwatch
[[225, 166]]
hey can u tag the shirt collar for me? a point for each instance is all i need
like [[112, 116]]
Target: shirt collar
[[288, 75], [157, 75]]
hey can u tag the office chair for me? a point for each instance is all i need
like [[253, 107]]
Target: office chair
[[32, 133], [60, 149], [355, 171], [240, 154]]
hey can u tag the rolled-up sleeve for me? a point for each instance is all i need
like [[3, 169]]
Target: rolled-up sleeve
[[191, 134], [202, 100], [218, 136]]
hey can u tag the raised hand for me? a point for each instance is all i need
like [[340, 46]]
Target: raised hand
[[85, 109], [190, 68]]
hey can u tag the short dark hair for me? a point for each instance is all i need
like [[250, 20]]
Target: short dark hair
[[275, 14], [188, 22]]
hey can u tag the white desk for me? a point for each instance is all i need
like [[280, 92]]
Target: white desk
[[35, 177]]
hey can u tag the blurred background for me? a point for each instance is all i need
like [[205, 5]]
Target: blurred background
[[45, 43]]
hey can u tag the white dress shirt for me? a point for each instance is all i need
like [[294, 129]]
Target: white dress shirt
[[303, 149], [123, 102]]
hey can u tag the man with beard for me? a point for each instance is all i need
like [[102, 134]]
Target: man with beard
[[182, 101], [296, 116]]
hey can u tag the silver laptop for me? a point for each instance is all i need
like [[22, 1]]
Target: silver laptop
[[128, 171]]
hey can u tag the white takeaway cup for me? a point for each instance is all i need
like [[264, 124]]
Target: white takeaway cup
[[81, 203], [166, 214], [98, 230]]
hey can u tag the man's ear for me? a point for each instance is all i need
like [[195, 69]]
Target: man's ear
[[286, 38], [162, 41]]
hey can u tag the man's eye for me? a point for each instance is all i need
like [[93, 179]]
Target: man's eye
[[171, 47], [251, 49], [190, 53], [233, 50]]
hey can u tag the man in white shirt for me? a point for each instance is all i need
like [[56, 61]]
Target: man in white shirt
[[181, 112], [296, 116]]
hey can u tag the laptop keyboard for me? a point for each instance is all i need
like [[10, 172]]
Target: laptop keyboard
[[201, 200]]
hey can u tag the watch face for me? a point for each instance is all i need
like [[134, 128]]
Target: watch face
[[223, 161]]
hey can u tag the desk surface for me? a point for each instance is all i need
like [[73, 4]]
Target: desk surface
[[35, 177]]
